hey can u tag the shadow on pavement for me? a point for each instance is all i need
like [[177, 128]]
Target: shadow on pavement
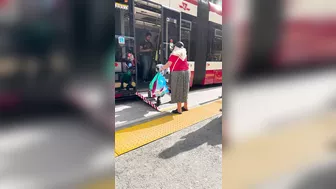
[[210, 133]]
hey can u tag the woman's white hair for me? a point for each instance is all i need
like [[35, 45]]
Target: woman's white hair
[[180, 52]]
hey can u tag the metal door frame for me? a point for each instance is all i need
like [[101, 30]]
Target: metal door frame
[[166, 29], [135, 42]]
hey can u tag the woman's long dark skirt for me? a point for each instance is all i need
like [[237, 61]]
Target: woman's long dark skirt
[[179, 85]]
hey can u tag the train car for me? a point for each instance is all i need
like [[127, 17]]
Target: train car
[[168, 21], [27, 55], [282, 34], [44, 45]]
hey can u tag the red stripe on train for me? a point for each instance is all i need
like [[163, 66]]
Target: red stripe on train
[[212, 77], [212, 7], [118, 95], [194, 2], [215, 8]]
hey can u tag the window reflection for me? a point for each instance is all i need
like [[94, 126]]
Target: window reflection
[[214, 43], [217, 2], [122, 22]]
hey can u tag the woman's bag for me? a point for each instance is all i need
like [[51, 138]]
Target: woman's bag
[[158, 86]]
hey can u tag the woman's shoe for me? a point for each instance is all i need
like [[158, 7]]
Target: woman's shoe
[[176, 112], [184, 109]]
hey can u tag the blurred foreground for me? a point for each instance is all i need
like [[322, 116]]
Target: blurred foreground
[[282, 132], [290, 157], [62, 150], [51, 53]]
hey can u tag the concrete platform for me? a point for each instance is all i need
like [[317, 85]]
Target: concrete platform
[[131, 112]]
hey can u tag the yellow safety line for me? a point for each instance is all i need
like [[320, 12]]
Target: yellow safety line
[[101, 184], [266, 157], [173, 106], [131, 138]]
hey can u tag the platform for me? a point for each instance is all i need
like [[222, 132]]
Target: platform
[[131, 112], [136, 136], [189, 158]]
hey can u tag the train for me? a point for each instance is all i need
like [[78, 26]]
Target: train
[[47, 45], [262, 34], [259, 35], [168, 21]]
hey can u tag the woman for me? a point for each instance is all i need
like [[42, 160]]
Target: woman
[[179, 78]]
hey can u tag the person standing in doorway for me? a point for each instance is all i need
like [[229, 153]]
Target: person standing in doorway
[[146, 49]]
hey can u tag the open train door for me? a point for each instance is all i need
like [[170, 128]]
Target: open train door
[[169, 34], [171, 28]]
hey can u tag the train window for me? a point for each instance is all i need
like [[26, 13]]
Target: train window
[[188, 35], [122, 20], [123, 48], [185, 38], [123, 32], [214, 43], [218, 33], [186, 27]]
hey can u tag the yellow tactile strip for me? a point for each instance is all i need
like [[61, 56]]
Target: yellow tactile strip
[[257, 161], [131, 138], [108, 183]]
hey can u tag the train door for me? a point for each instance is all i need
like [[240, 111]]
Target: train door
[[147, 16], [163, 25], [125, 62], [171, 31]]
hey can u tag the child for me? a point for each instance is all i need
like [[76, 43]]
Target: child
[[130, 59], [127, 77]]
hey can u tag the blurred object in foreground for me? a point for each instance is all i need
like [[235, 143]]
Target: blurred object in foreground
[[283, 157], [47, 46], [283, 34], [55, 152], [50, 135], [279, 128]]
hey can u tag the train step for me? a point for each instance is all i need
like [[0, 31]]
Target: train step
[[159, 104]]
